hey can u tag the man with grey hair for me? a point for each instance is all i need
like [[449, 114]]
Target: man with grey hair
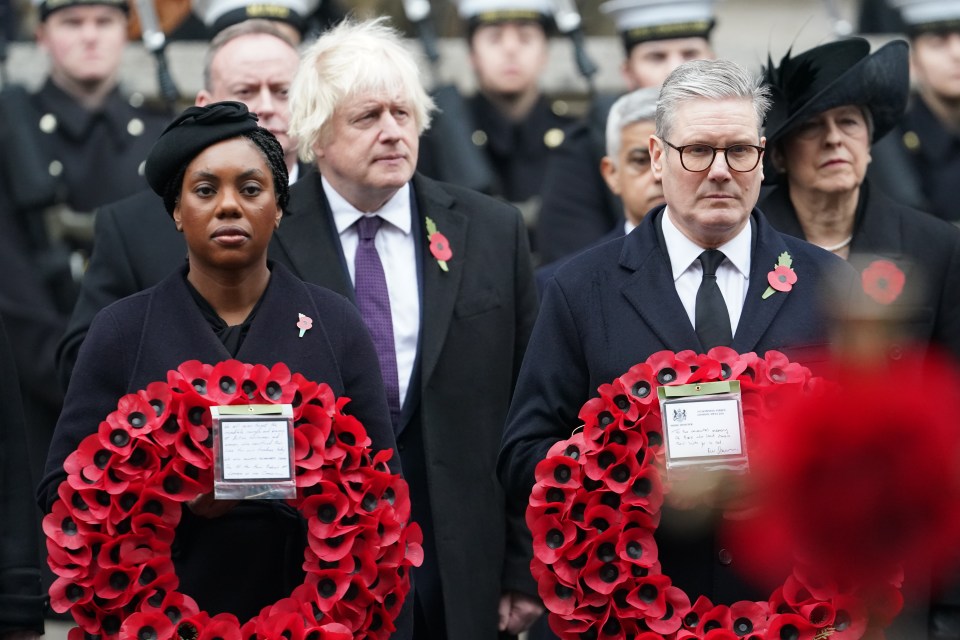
[[626, 166], [443, 280], [692, 275]]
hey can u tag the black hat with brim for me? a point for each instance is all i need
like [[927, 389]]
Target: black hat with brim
[[837, 74], [189, 134]]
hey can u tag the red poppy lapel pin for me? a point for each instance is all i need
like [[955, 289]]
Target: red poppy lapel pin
[[883, 281], [783, 277], [439, 245]]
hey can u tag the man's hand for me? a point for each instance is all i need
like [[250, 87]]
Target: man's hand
[[518, 611], [206, 506]]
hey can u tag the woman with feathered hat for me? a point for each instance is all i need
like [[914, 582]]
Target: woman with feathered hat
[[830, 104]]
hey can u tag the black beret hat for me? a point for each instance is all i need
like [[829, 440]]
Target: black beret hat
[[189, 134]]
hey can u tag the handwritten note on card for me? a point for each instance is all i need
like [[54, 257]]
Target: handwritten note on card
[[255, 449], [704, 428]]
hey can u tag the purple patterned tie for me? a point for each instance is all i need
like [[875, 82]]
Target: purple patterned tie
[[373, 300]]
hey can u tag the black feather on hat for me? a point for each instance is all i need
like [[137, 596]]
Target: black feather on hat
[[837, 74]]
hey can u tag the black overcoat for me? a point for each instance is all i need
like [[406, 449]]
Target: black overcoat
[[615, 305], [258, 546]]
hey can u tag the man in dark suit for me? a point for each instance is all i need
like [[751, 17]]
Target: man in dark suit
[[135, 246], [443, 279], [615, 305], [626, 167]]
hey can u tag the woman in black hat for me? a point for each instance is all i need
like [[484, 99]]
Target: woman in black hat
[[830, 104], [224, 182]]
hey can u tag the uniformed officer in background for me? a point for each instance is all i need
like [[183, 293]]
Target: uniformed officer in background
[[918, 163], [513, 125], [658, 36], [78, 142], [297, 18]]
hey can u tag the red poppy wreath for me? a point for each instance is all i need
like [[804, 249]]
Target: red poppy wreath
[[109, 534], [597, 502]]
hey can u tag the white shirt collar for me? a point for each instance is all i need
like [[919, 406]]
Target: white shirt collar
[[684, 252], [293, 174], [396, 210]]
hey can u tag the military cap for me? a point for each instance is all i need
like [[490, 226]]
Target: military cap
[[929, 16], [46, 7], [481, 12], [645, 20], [217, 15]]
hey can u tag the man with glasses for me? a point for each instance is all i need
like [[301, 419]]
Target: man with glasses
[[692, 275]]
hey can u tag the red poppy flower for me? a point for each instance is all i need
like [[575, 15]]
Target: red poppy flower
[[883, 281], [147, 626], [619, 399], [640, 382], [223, 626], [64, 529], [440, 247], [782, 278], [668, 369], [558, 597], [72, 564], [691, 619], [749, 617], [597, 417], [791, 625], [637, 546], [552, 537], [650, 598], [65, 593], [226, 382]]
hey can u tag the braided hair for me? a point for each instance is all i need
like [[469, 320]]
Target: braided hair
[[271, 151]]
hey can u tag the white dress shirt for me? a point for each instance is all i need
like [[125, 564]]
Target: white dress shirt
[[398, 253], [732, 275]]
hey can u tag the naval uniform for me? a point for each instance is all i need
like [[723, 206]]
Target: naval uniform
[[918, 163], [515, 152]]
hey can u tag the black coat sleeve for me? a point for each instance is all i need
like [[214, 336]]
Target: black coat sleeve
[[108, 278], [21, 597]]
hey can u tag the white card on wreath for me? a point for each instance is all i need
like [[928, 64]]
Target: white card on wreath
[[253, 452], [703, 425]]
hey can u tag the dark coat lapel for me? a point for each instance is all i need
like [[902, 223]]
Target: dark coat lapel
[[307, 238], [651, 289], [440, 287], [759, 313]]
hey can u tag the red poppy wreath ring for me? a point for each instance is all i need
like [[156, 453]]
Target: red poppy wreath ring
[[109, 534], [597, 501]]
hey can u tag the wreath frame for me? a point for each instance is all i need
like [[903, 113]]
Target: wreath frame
[[597, 500], [110, 531]]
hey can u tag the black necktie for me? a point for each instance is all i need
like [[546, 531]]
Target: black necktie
[[712, 317]]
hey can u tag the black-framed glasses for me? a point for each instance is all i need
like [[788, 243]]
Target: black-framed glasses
[[700, 157]]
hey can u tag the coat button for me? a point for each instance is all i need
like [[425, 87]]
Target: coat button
[[895, 352], [401, 446], [725, 557]]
